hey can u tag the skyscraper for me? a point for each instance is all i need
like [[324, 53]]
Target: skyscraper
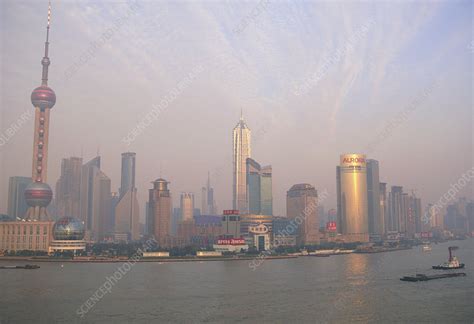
[[127, 180], [16, 196], [395, 208], [101, 206], [88, 173], [96, 200], [38, 194], [127, 210], [375, 217], [383, 203], [241, 151], [352, 197], [302, 207], [187, 206], [68, 188], [259, 188], [160, 206], [127, 213], [204, 201], [208, 204]]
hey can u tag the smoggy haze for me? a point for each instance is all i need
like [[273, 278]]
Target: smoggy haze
[[314, 80]]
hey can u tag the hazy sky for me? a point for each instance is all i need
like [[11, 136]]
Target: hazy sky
[[314, 80]]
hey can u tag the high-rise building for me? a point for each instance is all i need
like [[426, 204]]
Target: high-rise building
[[160, 206], [352, 197], [115, 198], [187, 206], [456, 219], [88, 173], [241, 152], [208, 204], [127, 216], [101, 206], [383, 205], [127, 210], [38, 194], [302, 207], [68, 188], [204, 201], [375, 217], [175, 220], [259, 188], [95, 208], [211, 203], [127, 180], [16, 196], [470, 216], [322, 215], [433, 218], [395, 208]]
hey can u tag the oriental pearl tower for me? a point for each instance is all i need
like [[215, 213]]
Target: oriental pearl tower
[[38, 194]]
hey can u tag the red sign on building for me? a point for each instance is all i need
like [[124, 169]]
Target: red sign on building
[[236, 241], [331, 226], [231, 212]]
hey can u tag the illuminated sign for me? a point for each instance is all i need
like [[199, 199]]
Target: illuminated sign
[[353, 160], [231, 212], [237, 241], [258, 229], [331, 226]]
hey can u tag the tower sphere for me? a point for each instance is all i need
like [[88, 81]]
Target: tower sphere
[[43, 97], [68, 228], [38, 194]]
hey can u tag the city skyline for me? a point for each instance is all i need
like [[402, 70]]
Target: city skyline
[[272, 122]]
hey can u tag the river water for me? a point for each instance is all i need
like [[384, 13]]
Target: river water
[[361, 288]]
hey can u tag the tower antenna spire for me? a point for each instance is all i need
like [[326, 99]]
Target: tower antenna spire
[[45, 61], [241, 113]]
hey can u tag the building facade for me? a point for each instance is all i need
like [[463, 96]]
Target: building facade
[[241, 152], [26, 235], [17, 206], [187, 206], [160, 206], [395, 208], [68, 188], [352, 196], [383, 203], [101, 206], [259, 188], [127, 179], [302, 208], [127, 210], [375, 216]]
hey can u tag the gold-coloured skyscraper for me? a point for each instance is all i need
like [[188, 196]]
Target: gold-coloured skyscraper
[[352, 208], [241, 151]]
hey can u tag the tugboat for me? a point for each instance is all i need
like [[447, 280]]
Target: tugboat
[[453, 262]]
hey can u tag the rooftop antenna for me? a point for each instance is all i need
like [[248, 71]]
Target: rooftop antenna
[[45, 61]]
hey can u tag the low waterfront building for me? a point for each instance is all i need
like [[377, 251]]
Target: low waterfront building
[[160, 254], [26, 235], [231, 245], [209, 253]]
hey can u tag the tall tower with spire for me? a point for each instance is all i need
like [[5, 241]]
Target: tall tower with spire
[[241, 151], [38, 194]]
